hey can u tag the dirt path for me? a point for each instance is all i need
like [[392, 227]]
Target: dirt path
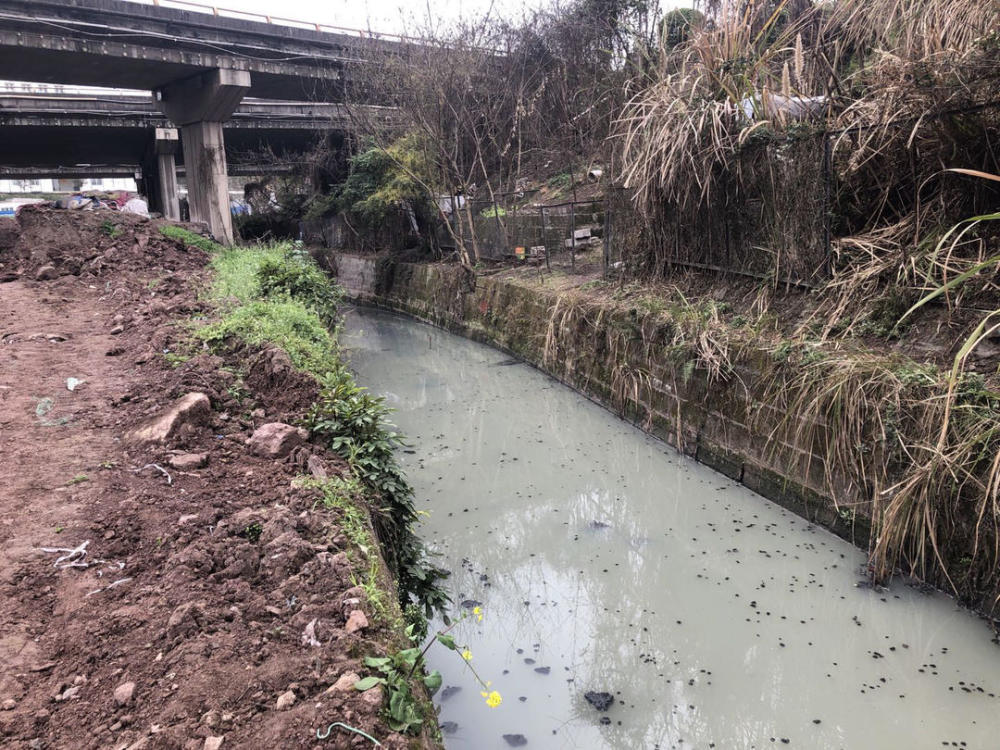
[[49, 333], [212, 611]]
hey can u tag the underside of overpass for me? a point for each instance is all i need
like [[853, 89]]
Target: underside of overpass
[[54, 146], [66, 130]]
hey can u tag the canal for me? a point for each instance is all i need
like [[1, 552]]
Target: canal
[[603, 562]]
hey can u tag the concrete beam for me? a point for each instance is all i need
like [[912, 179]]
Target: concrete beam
[[71, 171], [211, 96], [95, 171], [200, 105], [138, 111]]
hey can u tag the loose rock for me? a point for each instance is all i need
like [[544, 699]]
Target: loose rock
[[185, 619], [124, 693], [191, 410], [285, 701], [317, 467], [275, 440], [46, 273], [344, 683], [356, 621], [373, 697], [188, 461]]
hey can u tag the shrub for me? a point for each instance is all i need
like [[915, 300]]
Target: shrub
[[354, 424], [299, 278]]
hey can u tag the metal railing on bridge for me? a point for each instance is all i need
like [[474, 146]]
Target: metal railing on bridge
[[246, 15]]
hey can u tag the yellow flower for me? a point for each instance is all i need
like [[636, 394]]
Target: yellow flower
[[478, 612], [467, 655], [493, 699]]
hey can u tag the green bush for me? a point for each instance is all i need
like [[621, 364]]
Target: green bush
[[384, 181], [300, 279], [354, 424]]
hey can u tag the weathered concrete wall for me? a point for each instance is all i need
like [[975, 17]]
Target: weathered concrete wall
[[357, 274], [594, 350]]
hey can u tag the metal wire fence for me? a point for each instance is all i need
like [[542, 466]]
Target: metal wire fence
[[772, 222], [510, 227]]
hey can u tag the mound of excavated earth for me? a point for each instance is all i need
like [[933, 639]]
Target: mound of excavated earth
[[162, 584]]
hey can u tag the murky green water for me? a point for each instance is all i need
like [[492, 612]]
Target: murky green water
[[605, 562]]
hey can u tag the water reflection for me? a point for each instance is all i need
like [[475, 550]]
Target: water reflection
[[714, 617]]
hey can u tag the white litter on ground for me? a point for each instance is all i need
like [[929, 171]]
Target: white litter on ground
[[75, 557]]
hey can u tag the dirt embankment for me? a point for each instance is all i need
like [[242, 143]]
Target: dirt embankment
[[174, 591]]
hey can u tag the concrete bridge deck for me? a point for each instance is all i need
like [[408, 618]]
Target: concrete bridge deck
[[95, 171], [73, 135], [128, 45], [140, 111]]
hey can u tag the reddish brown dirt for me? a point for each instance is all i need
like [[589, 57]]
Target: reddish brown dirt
[[216, 575]]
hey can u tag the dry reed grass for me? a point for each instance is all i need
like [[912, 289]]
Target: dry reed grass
[[912, 446], [910, 89]]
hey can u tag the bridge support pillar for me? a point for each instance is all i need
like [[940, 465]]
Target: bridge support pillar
[[200, 105], [163, 187]]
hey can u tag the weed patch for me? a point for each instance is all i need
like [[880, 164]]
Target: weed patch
[[295, 277], [180, 234], [354, 424], [289, 325], [276, 295]]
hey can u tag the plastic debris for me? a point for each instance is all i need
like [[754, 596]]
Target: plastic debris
[[322, 736], [111, 585], [75, 557], [170, 479], [136, 206], [42, 408]]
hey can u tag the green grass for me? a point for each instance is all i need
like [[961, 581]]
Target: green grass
[[236, 271], [190, 238], [110, 229], [286, 324], [346, 495], [275, 295], [277, 272], [175, 359]]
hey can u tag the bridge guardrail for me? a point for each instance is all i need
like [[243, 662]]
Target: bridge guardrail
[[218, 10]]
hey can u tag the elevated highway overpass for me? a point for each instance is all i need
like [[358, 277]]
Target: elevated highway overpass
[[197, 66], [105, 135], [131, 45]]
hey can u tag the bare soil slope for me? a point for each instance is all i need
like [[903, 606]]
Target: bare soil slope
[[208, 607]]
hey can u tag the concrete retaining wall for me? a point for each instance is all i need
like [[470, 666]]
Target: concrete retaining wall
[[705, 420]]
